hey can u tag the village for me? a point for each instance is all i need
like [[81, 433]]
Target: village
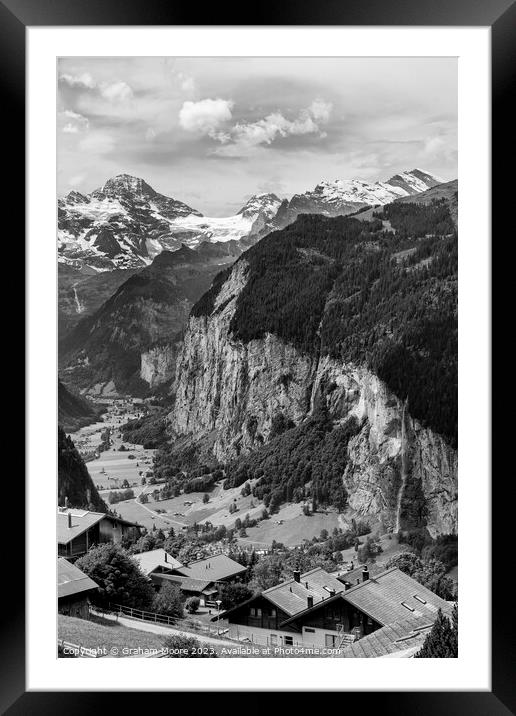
[[231, 597]]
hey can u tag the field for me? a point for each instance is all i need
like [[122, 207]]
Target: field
[[105, 633]]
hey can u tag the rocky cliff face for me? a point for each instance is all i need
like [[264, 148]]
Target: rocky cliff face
[[397, 470], [158, 364]]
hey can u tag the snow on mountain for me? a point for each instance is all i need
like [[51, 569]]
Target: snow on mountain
[[126, 223]]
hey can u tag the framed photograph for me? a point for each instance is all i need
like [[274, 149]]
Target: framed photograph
[[259, 320]]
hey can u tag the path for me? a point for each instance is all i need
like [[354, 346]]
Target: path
[[165, 630]]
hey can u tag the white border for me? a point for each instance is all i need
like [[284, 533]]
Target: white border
[[472, 669]]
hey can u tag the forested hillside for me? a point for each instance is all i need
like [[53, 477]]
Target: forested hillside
[[381, 293], [73, 479]]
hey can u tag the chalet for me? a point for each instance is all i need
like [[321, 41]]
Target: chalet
[[201, 578], [401, 639], [73, 590], [316, 609], [156, 561], [78, 530]]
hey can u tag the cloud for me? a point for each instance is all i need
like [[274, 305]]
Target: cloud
[[243, 138], [205, 116], [77, 179], [116, 92], [112, 91], [84, 80], [74, 122]]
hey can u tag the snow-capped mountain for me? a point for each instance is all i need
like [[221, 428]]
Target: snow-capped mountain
[[344, 196], [126, 223]]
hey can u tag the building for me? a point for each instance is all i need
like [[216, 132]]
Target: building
[[316, 609], [201, 578], [73, 590], [156, 561], [402, 639], [78, 530]]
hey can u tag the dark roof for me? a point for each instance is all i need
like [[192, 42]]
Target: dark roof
[[392, 596], [353, 574], [82, 520], [187, 584], [70, 579], [402, 636], [214, 568], [291, 596]]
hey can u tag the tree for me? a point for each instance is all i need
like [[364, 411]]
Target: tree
[[233, 594], [192, 604], [266, 573], [430, 573], [118, 576], [205, 498], [169, 601], [181, 646], [442, 640], [144, 498]]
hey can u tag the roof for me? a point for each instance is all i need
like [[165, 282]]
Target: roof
[[187, 584], [291, 596], [82, 520], [214, 568], [70, 579], [383, 597], [402, 636], [352, 575], [154, 559]]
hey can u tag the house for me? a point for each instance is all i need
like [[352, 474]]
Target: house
[[205, 590], [73, 590], [316, 609], [401, 639], [202, 578], [78, 530], [156, 561]]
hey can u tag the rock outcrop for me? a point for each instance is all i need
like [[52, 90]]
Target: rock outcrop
[[397, 470]]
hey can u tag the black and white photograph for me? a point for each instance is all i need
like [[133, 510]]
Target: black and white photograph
[[257, 309]]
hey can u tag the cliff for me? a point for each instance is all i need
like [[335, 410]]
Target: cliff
[[229, 390]]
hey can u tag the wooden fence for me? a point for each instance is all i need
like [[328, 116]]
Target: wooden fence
[[191, 625]]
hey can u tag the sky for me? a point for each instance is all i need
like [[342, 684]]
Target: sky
[[212, 132]]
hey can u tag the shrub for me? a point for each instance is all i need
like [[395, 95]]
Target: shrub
[[192, 604]]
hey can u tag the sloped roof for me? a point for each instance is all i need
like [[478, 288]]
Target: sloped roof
[[214, 568], [352, 575], [82, 520], [186, 583], [390, 639], [383, 597], [155, 558], [70, 579], [291, 596]]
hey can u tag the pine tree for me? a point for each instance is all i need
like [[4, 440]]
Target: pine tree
[[442, 641]]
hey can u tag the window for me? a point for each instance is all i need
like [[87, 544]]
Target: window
[[289, 640], [419, 599], [274, 639], [252, 611], [407, 606], [273, 612], [309, 631], [330, 639], [258, 612]]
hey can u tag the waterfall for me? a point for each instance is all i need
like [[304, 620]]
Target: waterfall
[[404, 466], [78, 305]]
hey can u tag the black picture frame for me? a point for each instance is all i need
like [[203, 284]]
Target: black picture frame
[[500, 16]]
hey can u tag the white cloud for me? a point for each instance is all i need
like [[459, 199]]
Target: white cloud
[[245, 137], [74, 122], [77, 179], [112, 91], [84, 80], [434, 145], [186, 82], [116, 92], [150, 134], [205, 116]]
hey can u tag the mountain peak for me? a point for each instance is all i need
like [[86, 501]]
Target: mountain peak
[[127, 184]]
